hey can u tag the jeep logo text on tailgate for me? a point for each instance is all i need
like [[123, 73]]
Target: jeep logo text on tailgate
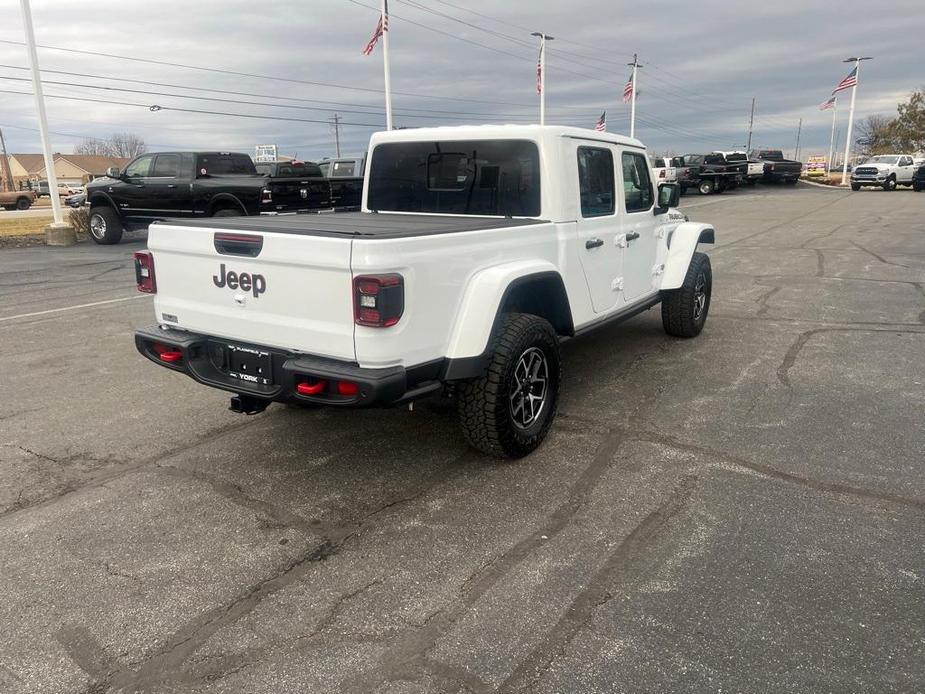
[[256, 284]]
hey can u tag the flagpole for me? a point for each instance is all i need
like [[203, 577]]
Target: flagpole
[[832, 138], [635, 64], [542, 83], [385, 66], [854, 92]]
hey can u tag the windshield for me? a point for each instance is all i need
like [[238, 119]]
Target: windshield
[[883, 159], [484, 177]]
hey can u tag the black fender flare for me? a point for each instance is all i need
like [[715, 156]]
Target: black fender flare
[[219, 199]]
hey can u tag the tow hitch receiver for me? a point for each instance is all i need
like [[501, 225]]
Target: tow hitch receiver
[[245, 404]]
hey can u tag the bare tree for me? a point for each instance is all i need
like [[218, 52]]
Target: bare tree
[[126, 145], [90, 145], [876, 134]]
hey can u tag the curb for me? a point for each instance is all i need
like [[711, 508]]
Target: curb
[[822, 185]]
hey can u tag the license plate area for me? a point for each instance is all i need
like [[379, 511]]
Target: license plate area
[[247, 364]]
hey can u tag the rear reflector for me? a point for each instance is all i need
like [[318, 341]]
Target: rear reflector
[[378, 300], [171, 355], [144, 272], [347, 388]]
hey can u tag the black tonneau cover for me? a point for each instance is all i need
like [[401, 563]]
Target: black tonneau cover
[[366, 224]]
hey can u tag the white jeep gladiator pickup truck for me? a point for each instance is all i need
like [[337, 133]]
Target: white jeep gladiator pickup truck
[[884, 171], [477, 250]]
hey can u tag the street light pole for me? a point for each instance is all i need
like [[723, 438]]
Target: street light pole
[[58, 233], [541, 70], [854, 92]]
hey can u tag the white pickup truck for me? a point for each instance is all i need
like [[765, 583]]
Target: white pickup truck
[[477, 250], [884, 171]]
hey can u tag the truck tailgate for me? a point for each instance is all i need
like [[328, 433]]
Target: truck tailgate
[[296, 194], [295, 293]]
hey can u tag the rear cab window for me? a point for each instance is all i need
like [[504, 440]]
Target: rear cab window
[[478, 177], [223, 164], [596, 181]]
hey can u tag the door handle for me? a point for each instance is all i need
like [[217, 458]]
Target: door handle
[[594, 243], [632, 236], [171, 185]]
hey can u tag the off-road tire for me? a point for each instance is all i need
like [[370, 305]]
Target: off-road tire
[[227, 212], [23, 204], [706, 187], [110, 231], [855, 187], [890, 183], [680, 314], [484, 404]]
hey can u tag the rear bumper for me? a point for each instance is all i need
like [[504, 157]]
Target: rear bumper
[[781, 175], [202, 357]]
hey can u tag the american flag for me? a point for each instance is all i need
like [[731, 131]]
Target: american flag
[[601, 126], [381, 27], [539, 72], [830, 103], [628, 90], [850, 81]]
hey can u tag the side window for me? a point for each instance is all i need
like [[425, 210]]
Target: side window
[[906, 161], [166, 166], [637, 187], [139, 168], [595, 181]]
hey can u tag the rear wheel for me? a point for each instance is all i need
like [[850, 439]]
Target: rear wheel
[[508, 411], [890, 183], [227, 212], [706, 187], [751, 181], [684, 310], [105, 226]]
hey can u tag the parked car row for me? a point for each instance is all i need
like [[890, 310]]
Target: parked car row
[[164, 185], [717, 172]]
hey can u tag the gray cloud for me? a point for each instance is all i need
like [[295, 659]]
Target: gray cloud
[[704, 62]]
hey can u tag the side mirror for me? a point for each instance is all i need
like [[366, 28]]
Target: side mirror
[[113, 172], [669, 195]]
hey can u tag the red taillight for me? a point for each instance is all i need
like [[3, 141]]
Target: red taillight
[[311, 387], [144, 272], [171, 355], [661, 174], [378, 300], [347, 388]]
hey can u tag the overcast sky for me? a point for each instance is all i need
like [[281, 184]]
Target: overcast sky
[[704, 61]]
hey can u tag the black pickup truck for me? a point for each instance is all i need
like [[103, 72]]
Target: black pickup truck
[[295, 185], [163, 185], [776, 168], [709, 173]]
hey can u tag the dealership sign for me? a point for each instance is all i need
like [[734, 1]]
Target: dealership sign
[[265, 153]]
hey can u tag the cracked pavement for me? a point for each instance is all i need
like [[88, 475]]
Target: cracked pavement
[[739, 512]]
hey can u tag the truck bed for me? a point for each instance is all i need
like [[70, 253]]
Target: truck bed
[[364, 224]]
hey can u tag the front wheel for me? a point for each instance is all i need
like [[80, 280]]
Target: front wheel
[[508, 411], [889, 184], [105, 226], [918, 187], [855, 186], [706, 187], [23, 204], [684, 310]]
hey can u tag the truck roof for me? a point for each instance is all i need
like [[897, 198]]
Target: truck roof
[[500, 132]]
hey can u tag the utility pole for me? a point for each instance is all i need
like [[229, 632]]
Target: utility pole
[[57, 233], [386, 66], [336, 120], [541, 73], [854, 93], [751, 122], [796, 151], [635, 65], [6, 165]]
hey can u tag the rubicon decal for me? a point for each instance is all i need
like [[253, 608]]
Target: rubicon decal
[[245, 281]]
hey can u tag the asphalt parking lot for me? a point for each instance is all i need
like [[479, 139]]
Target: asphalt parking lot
[[743, 512]]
